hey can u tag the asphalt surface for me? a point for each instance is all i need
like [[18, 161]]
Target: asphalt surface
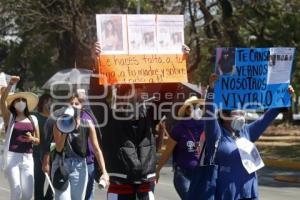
[[269, 188]]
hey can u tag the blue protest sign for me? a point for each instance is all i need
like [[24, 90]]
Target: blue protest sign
[[255, 78]]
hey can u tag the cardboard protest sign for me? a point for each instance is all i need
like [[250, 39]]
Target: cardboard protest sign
[[142, 69], [255, 78], [141, 49]]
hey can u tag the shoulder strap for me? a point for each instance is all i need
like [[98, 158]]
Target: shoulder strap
[[32, 122], [212, 160], [8, 131], [201, 154]]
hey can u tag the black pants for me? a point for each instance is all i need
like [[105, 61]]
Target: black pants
[[136, 196], [39, 180], [143, 191]]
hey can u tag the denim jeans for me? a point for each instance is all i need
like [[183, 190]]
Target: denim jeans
[[77, 179], [182, 180], [90, 185]]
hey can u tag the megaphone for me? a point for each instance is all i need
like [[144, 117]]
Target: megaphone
[[66, 123]]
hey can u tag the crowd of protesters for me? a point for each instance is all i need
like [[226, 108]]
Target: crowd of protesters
[[123, 151]]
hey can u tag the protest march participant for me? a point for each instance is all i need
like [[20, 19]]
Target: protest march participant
[[128, 143], [22, 132], [185, 143], [42, 114], [87, 114], [129, 148], [237, 178], [71, 150]]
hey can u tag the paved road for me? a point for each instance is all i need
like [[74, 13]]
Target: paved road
[[269, 188]]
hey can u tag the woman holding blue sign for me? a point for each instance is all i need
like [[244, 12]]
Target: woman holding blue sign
[[236, 155]]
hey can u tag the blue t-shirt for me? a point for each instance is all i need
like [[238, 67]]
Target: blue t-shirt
[[187, 134]]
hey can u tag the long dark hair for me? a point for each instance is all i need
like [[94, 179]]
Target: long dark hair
[[26, 112], [13, 110], [44, 98], [113, 29], [221, 113]]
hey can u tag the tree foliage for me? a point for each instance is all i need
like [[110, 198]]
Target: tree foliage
[[49, 35]]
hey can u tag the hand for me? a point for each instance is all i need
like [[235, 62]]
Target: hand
[[46, 168], [105, 177], [213, 77], [157, 175], [185, 49], [29, 137], [98, 48], [161, 126], [23, 138], [291, 90], [14, 80]]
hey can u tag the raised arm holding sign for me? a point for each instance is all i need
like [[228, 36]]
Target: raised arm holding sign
[[237, 157]]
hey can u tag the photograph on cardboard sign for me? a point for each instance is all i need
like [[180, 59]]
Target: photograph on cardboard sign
[[142, 41], [111, 37], [163, 37], [148, 40], [111, 30], [169, 39], [141, 34], [176, 39], [225, 61]]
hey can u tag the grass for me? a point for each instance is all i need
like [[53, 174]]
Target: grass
[[282, 152], [276, 152]]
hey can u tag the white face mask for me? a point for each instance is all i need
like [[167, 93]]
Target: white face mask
[[20, 106], [238, 123], [196, 113]]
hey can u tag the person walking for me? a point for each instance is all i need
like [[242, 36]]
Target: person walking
[[42, 114], [185, 143], [71, 149], [237, 178], [22, 132]]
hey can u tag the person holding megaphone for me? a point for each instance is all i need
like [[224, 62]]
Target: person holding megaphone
[[69, 168]]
